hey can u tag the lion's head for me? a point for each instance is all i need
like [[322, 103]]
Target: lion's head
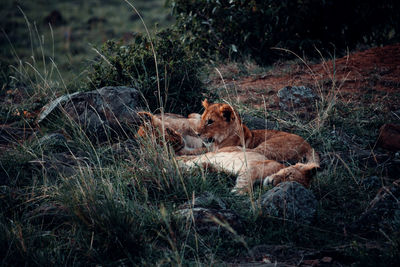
[[218, 122], [152, 127], [301, 173]]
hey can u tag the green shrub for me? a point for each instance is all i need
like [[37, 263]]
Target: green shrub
[[181, 90], [252, 27]]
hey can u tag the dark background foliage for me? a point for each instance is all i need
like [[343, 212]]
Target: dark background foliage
[[251, 27], [133, 65]]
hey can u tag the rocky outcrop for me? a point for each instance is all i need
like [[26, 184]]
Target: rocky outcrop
[[290, 201], [101, 114]]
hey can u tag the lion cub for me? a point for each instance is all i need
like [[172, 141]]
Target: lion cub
[[221, 125], [251, 167], [178, 131]]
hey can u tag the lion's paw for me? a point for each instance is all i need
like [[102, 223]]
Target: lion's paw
[[268, 181]]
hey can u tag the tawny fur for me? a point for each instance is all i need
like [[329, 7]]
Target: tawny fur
[[250, 167], [179, 131], [221, 124], [300, 172]]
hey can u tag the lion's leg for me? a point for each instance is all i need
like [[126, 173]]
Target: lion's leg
[[256, 171]]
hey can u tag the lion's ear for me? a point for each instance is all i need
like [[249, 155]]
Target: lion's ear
[[227, 112], [309, 169], [205, 103]]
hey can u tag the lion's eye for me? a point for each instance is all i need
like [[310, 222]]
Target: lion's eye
[[210, 121]]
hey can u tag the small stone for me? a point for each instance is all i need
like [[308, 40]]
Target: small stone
[[207, 200]]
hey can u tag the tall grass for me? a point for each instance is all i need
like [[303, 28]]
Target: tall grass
[[117, 204]]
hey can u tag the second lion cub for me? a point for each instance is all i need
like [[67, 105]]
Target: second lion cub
[[251, 167]]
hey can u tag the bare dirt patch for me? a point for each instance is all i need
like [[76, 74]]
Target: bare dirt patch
[[370, 75]]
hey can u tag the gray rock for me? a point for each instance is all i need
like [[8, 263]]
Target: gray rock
[[291, 201], [207, 219], [207, 200], [53, 105], [109, 110], [291, 97], [208, 213]]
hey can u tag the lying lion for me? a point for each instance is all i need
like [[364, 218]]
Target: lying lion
[[221, 125], [179, 132], [250, 166]]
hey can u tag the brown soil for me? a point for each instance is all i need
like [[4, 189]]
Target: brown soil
[[374, 72]]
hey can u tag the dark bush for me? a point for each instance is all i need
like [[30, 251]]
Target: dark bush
[[181, 90], [251, 27]]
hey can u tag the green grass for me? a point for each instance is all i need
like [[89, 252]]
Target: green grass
[[118, 206], [120, 209], [71, 54], [39, 62]]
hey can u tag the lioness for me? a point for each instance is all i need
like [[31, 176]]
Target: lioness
[[250, 167], [221, 125], [178, 131]]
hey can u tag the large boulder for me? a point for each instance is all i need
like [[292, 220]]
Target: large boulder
[[99, 113], [291, 97], [290, 201]]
